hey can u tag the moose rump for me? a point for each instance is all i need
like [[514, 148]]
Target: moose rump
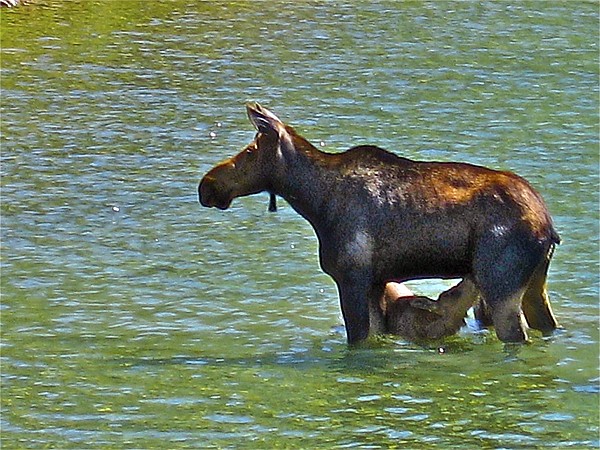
[[379, 218]]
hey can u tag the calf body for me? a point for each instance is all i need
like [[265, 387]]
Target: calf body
[[420, 318], [379, 217]]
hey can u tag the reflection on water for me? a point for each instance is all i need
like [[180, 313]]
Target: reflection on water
[[132, 317]]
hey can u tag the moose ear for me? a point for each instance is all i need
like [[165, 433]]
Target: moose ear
[[263, 119]]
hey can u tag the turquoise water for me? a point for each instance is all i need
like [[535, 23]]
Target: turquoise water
[[134, 318]]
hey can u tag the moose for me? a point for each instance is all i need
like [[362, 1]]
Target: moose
[[382, 218]]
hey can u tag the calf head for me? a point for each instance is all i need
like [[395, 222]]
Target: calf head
[[451, 303]]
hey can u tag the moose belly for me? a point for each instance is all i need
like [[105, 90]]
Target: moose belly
[[425, 256], [417, 269]]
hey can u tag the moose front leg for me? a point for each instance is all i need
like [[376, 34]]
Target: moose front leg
[[361, 308]]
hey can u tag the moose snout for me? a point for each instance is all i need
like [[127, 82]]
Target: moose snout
[[210, 195]]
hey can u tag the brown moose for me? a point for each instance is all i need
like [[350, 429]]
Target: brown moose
[[379, 217]]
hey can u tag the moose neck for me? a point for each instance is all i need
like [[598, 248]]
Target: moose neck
[[305, 179]]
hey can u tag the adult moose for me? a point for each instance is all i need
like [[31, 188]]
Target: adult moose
[[379, 218]]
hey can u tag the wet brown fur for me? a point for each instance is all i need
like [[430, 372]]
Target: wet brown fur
[[419, 318]]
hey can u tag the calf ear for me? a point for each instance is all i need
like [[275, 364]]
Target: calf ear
[[426, 305], [263, 119]]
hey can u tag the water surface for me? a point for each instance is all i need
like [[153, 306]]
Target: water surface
[[131, 317]]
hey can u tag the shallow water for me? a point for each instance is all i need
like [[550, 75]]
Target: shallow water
[[131, 317]]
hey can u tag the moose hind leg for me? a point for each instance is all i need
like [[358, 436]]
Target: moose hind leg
[[503, 268], [508, 319], [483, 313], [536, 304]]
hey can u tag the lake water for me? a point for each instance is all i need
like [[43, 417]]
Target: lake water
[[134, 318]]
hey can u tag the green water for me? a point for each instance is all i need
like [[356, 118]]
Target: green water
[[133, 318]]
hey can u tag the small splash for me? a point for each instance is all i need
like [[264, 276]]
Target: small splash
[[369, 398], [350, 380], [557, 417], [588, 389], [230, 419]]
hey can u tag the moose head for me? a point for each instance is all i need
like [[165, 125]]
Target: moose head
[[250, 171]]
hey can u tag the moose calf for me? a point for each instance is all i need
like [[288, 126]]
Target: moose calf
[[419, 318]]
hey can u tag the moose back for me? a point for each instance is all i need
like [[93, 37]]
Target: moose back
[[379, 218]]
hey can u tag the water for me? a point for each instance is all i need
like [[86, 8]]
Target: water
[[133, 318]]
